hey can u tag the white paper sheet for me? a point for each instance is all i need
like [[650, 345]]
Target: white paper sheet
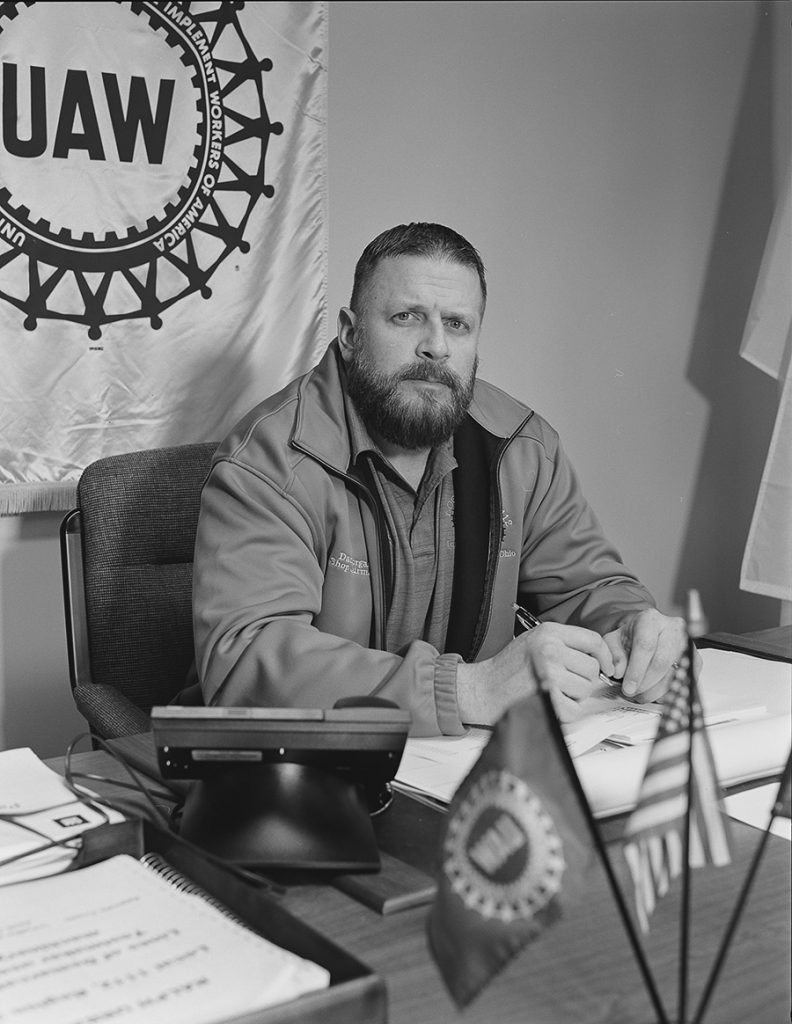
[[754, 806]]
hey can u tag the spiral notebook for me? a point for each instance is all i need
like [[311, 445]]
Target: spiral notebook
[[133, 939]]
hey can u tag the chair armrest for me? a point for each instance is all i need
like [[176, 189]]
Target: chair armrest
[[108, 712]]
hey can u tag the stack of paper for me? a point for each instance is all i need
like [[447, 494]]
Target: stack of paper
[[746, 702], [37, 808], [610, 717]]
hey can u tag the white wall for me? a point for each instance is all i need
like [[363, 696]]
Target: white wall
[[36, 707], [616, 163]]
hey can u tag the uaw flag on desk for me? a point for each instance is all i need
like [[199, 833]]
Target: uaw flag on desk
[[516, 850], [162, 226]]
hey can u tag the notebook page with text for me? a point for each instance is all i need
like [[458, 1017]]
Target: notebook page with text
[[116, 940]]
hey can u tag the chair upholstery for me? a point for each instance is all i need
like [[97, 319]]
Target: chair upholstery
[[136, 517]]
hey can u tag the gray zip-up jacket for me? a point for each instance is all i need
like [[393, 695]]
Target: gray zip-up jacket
[[291, 564]]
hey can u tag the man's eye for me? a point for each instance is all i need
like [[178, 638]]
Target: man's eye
[[402, 317], [457, 325]]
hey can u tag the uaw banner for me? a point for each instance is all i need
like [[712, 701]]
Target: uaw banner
[[162, 226]]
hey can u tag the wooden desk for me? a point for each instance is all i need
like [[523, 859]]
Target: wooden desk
[[581, 971]]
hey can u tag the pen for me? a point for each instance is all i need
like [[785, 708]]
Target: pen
[[530, 621], [525, 618]]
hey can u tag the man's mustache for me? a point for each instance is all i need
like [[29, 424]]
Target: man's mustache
[[430, 372]]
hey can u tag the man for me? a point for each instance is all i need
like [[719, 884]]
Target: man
[[369, 529]]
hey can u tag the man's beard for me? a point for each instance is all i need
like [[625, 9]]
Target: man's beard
[[415, 421]]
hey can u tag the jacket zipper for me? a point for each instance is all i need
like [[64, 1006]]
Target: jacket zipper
[[485, 615]]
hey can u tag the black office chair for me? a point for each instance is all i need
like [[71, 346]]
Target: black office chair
[[127, 553]]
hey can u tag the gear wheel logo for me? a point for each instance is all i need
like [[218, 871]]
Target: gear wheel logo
[[126, 178], [503, 855]]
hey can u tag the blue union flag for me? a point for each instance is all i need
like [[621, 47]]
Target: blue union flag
[[515, 851]]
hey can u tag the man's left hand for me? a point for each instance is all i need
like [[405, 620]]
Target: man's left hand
[[646, 648]]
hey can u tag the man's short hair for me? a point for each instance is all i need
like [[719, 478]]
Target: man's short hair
[[434, 241]]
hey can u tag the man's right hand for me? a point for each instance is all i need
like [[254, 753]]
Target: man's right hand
[[564, 660]]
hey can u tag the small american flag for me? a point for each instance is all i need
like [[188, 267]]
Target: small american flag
[[654, 835]]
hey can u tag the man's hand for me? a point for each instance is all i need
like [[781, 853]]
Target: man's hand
[[564, 660], [645, 649]]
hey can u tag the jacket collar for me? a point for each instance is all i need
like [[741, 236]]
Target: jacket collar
[[320, 427]]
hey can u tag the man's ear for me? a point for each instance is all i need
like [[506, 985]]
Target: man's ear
[[347, 321]]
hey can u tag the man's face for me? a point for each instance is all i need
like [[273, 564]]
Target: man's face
[[411, 351]]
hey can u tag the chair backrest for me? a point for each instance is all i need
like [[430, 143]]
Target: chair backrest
[[127, 560]]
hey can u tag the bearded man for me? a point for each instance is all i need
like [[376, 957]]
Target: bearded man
[[369, 530]]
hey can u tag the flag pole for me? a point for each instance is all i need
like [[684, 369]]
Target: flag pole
[[734, 920], [635, 942], [696, 626], [684, 918]]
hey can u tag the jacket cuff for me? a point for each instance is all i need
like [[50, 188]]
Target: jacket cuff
[[445, 688]]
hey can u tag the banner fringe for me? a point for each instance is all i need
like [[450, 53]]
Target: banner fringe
[[16, 499]]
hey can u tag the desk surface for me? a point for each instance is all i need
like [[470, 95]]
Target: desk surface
[[773, 643], [581, 971]]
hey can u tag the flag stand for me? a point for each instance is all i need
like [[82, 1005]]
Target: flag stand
[[742, 899], [635, 942], [696, 799], [694, 723]]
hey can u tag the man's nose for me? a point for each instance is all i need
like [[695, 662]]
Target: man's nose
[[433, 343]]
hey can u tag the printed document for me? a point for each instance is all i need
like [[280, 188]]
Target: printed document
[[117, 941]]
